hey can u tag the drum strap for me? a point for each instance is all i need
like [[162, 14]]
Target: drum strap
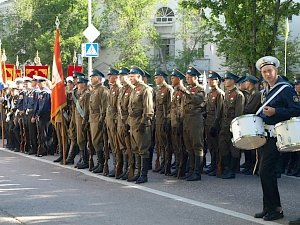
[[270, 99]]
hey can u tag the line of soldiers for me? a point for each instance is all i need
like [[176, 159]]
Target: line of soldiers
[[128, 119]]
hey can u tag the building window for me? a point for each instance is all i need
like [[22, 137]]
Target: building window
[[164, 15], [166, 50]]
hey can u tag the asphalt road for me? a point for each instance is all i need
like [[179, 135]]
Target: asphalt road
[[37, 191]]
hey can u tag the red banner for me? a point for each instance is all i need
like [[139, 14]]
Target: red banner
[[18, 73], [8, 72], [72, 68], [42, 71]]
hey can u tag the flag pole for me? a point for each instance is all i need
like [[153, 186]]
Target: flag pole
[[63, 132], [285, 46], [2, 95]]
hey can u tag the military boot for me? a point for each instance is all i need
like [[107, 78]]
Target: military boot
[[197, 171], [112, 173], [160, 162], [151, 150], [168, 166], [125, 167], [80, 161], [138, 165], [182, 165], [230, 173], [60, 158], [99, 168], [143, 177], [163, 161], [191, 160], [91, 163], [71, 154], [85, 160], [119, 166], [131, 167]]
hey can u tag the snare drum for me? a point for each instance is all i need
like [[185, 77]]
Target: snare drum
[[288, 135], [248, 132]]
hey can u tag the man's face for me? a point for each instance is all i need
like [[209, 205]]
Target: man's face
[[20, 86], [124, 79], [159, 80], [70, 86], [33, 83], [95, 80], [27, 85], [81, 86], [112, 79], [190, 79], [297, 87], [212, 82], [134, 78], [228, 83], [175, 81], [269, 73], [244, 86]]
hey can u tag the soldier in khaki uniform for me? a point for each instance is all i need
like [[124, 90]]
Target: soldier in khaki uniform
[[163, 98], [123, 128], [141, 111], [81, 118], [111, 120], [72, 98], [214, 105], [176, 124], [193, 123], [233, 107], [97, 110]]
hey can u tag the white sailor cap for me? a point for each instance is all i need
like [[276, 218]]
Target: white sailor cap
[[19, 80], [39, 78], [267, 60], [27, 79], [11, 84], [69, 79]]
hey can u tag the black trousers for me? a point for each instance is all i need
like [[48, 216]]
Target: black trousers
[[269, 156]]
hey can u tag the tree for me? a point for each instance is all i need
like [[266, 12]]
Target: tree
[[126, 26], [32, 27], [246, 30], [194, 33]]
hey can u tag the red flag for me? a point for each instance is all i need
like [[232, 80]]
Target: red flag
[[42, 71], [72, 68], [58, 95]]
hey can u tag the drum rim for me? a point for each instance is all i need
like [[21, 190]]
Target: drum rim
[[248, 135], [246, 115], [263, 137], [290, 145], [282, 149], [292, 119]]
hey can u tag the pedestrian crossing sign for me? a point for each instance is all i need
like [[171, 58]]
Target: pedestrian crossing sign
[[90, 50]]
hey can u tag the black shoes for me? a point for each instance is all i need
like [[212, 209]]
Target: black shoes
[[273, 216], [260, 214], [269, 216], [295, 222]]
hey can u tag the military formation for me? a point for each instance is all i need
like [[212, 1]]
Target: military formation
[[127, 120]]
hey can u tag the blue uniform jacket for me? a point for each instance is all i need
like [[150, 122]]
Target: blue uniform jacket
[[43, 106], [20, 102], [286, 104], [31, 99]]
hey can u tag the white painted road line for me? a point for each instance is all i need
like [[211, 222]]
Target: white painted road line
[[153, 191]]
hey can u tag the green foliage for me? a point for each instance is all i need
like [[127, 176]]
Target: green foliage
[[247, 30], [125, 27], [32, 27], [194, 33]]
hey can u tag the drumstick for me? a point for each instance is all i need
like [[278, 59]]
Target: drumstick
[[255, 163]]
